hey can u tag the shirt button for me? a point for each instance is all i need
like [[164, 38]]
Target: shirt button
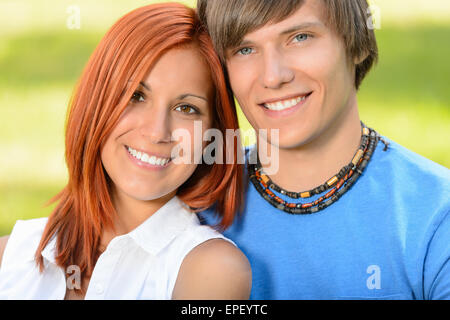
[[99, 288]]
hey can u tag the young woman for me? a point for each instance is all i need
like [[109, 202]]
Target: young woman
[[125, 225]]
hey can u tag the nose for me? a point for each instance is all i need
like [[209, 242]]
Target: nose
[[275, 72], [155, 124]]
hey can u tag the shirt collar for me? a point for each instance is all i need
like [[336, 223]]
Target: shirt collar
[[153, 234]]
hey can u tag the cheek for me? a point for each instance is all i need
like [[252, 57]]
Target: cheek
[[319, 59], [337, 85], [241, 78], [189, 142], [111, 147], [112, 166], [107, 155], [316, 66], [331, 66]]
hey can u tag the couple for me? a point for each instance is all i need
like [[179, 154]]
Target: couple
[[371, 220]]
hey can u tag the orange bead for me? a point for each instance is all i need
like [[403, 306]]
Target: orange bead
[[329, 194], [305, 195], [332, 181], [366, 131], [357, 156]]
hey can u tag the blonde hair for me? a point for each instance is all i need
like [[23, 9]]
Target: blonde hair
[[228, 21]]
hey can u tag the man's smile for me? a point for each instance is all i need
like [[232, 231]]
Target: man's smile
[[284, 107]]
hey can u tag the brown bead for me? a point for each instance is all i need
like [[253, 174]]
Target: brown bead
[[338, 184]]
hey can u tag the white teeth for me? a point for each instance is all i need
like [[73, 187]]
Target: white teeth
[[281, 105], [142, 156]]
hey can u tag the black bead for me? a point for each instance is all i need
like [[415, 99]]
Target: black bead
[[368, 145]]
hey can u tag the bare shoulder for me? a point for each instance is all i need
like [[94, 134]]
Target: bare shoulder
[[3, 242], [215, 269]]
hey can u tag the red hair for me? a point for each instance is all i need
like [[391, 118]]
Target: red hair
[[127, 52]]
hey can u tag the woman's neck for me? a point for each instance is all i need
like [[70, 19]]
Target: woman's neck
[[131, 213]]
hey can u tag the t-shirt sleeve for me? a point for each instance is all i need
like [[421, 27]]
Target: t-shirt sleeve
[[437, 263]]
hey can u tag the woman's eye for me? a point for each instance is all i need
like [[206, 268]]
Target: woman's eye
[[137, 97], [186, 109], [301, 37], [245, 51]]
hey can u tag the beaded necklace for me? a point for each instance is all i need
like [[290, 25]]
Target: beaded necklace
[[339, 183]]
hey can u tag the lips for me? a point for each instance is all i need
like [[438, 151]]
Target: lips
[[282, 108], [149, 158], [285, 103]]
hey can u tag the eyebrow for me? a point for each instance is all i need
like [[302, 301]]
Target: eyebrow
[[145, 86], [185, 95], [287, 31], [180, 97], [301, 26]]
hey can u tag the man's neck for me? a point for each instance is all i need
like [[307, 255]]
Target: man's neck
[[312, 164]]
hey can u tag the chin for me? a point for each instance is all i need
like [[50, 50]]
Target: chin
[[145, 194], [151, 197], [291, 138]]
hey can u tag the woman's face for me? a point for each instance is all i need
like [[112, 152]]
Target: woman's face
[[137, 154]]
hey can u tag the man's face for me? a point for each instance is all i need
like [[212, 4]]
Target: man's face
[[293, 75]]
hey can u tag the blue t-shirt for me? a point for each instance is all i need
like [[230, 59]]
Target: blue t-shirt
[[388, 237]]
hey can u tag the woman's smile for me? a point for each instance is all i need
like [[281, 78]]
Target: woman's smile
[[148, 160]]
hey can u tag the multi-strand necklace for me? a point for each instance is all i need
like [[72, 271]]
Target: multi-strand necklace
[[336, 185]]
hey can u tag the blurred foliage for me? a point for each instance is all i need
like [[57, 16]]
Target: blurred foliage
[[406, 97]]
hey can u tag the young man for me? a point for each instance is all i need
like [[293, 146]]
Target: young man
[[372, 219]]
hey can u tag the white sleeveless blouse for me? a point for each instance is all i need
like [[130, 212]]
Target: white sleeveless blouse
[[142, 264]]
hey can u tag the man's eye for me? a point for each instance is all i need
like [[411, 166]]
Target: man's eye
[[186, 109], [301, 37], [137, 97], [245, 51]]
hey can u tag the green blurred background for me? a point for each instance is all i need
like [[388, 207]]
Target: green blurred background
[[406, 97]]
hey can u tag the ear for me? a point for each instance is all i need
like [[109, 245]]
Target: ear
[[360, 58]]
